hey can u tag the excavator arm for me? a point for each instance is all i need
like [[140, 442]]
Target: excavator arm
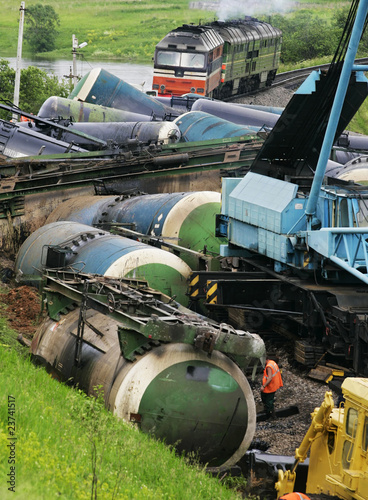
[[286, 480]]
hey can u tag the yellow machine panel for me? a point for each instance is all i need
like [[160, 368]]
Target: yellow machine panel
[[338, 442]]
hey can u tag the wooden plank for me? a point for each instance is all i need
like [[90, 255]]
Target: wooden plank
[[320, 373]]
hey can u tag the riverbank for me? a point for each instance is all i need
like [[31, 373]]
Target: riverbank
[[140, 75]]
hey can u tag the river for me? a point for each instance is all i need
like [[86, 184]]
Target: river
[[135, 74]]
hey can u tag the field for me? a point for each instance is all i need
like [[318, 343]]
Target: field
[[124, 30]]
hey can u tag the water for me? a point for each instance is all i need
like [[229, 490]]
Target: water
[[135, 74]]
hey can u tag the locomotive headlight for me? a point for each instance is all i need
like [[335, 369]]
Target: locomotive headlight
[[162, 87], [192, 90]]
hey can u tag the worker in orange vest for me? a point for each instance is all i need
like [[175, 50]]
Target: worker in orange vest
[[271, 382], [294, 496]]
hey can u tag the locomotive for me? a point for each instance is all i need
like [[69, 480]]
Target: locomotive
[[217, 60]]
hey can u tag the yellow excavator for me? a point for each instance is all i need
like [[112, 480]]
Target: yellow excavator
[[338, 442]]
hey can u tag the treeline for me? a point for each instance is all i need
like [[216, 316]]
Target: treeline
[[307, 35]]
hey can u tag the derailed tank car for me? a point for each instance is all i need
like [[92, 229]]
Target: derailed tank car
[[175, 221], [218, 60], [156, 366], [83, 248]]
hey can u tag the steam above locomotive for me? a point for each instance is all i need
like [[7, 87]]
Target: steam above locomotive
[[217, 60]]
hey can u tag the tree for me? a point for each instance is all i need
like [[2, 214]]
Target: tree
[[340, 18], [35, 87], [305, 36], [7, 78], [40, 28]]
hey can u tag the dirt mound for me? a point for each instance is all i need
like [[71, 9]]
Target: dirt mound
[[23, 309]]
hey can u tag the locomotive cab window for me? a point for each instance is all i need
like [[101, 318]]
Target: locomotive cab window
[[167, 58], [180, 59], [189, 60]]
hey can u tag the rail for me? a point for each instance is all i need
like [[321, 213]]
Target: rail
[[292, 79]]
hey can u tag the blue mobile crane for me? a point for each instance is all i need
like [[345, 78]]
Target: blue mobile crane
[[298, 236]]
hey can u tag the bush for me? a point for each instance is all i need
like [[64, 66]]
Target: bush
[[306, 36], [35, 87]]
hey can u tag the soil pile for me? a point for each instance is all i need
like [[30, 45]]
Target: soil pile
[[23, 309]]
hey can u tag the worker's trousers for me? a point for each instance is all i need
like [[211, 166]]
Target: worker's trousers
[[268, 400]]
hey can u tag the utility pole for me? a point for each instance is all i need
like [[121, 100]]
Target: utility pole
[[19, 58], [76, 46], [74, 52]]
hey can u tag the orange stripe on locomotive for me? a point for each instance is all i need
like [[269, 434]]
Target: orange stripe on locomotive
[[169, 85]]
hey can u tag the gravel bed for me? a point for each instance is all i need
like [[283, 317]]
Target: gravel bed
[[277, 97], [284, 435]]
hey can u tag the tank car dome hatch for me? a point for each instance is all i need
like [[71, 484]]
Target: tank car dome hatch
[[80, 248]]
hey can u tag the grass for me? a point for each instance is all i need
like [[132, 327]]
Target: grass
[[359, 123], [69, 447], [124, 30]]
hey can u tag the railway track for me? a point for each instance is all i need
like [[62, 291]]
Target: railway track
[[292, 79]]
